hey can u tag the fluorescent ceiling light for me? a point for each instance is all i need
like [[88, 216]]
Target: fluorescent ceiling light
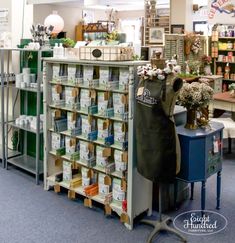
[[49, 1], [119, 5]]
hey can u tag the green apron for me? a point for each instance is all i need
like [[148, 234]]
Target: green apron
[[155, 133]]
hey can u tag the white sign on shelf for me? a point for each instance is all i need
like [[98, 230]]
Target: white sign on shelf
[[4, 22], [221, 11]]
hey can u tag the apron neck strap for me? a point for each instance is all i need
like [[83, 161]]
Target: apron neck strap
[[164, 89]]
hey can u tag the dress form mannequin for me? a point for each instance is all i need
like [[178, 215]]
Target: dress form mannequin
[[173, 87], [159, 161]]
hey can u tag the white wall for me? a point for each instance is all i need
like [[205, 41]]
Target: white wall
[[7, 4], [201, 14], [72, 16], [22, 19], [130, 14], [189, 15], [178, 11], [182, 13]]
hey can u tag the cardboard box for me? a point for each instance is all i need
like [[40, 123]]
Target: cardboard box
[[88, 125], [108, 77], [70, 145], [104, 187], [88, 101], [104, 128], [57, 95], [67, 170], [55, 71], [87, 153], [119, 194], [72, 97], [74, 123], [104, 103], [123, 78], [121, 160], [120, 105], [120, 133], [102, 156], [57, 141], [90, 76], [71, 73]]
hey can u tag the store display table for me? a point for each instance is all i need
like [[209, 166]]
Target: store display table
[[222, 101], [201, 157], [215, 81]]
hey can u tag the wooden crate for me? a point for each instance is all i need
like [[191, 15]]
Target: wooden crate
[[106, 53]]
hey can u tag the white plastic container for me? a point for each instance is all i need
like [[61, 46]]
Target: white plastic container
[[60, 51], [55, 50]]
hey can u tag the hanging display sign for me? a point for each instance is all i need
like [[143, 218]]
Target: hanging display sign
[[221, 11]]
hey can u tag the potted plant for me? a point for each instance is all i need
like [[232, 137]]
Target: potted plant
[[68, 43], [206, 60], [194, 97]]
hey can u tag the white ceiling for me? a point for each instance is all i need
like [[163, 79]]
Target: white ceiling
[[119, 5]]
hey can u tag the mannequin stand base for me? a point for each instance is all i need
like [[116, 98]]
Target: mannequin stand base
[[161, 226]]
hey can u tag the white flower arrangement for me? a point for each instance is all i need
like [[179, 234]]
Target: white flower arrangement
[[195, 95], [148, 72]]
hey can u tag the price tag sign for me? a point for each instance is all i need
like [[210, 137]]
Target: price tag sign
[[140, 91], [216, 147]]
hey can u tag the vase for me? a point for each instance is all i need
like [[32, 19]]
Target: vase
[[191, 122], [203, 119], [232, 93], [207, 69]]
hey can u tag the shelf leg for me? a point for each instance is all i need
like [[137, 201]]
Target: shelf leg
[[7, 108], [39, 79], [229, 145], [203, 196], [218, 190], [2, 109], [192, 190]]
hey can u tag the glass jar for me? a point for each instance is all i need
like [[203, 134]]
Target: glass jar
[[229, 45]]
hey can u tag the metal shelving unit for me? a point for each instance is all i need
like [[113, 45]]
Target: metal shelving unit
[[139, 190], [2, 123], [22, 160], [217, 63], [5, 82]]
